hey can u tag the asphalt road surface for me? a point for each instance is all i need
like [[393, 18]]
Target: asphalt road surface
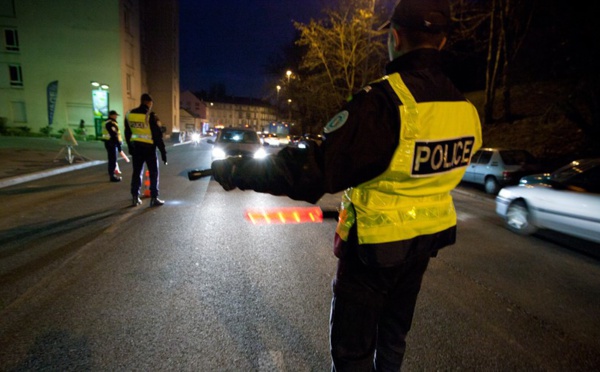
[[89, 283]]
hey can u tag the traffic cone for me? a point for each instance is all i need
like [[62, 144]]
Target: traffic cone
[[147, 184]]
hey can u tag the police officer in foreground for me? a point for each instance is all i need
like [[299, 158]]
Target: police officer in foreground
[[397, 148], [144, 136], [112, 142]]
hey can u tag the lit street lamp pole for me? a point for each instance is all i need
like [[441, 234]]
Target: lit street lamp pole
[[277, 104], [289, 74]]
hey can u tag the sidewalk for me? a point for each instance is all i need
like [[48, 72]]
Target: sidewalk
[[26, 159]]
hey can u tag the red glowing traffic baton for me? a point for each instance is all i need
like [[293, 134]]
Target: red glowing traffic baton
[[124, 156], [286, 215], [270, 216]]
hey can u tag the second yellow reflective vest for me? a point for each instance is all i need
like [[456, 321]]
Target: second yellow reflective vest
[[140, 127]]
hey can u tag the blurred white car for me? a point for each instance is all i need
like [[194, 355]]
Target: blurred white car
[[271, 139], [284, 140], [571, 207]]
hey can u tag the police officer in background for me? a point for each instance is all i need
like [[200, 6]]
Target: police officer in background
[[143, 135], [112, 142], [397, 148]]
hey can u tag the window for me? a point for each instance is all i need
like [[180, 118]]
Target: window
[[11, 40], [485, 157], [7, 8], [127, 21], [16, 76], [130, 54], [19, 113], [128, 85]]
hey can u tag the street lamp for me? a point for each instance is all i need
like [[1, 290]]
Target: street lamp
[[289, 74], [289, 110], [277, 104]]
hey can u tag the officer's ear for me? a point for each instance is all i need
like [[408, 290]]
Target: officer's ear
[[397, 41], [443, 43]]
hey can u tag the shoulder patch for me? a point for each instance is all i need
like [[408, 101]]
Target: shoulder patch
[[336, 122]]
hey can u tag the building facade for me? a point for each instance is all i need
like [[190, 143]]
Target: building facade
[[230, 112], [240, 112], [67, 61]]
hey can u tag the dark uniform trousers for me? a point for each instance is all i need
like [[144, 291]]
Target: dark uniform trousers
[[144, 153], [111, 150], [364, 296]]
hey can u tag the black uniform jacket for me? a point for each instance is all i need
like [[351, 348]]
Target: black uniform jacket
[[358, 151], [113, 131], [157, 136]]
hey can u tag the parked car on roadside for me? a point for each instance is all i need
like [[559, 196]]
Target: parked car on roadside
[[570, 206], [495, 168], [237, 142]]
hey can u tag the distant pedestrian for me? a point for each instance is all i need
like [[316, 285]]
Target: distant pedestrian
[[144, 135], [82, 129], [112, 142]]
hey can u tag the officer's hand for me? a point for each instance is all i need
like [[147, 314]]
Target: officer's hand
[[164, 158], [222, 171]]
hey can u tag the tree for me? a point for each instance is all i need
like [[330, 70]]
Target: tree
[[342, 53], [508, 22]]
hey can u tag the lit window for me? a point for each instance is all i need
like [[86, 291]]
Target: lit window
[[16, 76]]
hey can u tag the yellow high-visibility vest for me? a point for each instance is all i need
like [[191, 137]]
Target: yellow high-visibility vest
[[106, 135], [140, 127], [412, 197]]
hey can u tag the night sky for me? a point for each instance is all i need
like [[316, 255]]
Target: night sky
[[231, 41]]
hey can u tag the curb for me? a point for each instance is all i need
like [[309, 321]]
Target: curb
[[11, 181]]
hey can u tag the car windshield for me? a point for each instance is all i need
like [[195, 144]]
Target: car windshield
[[516, 157], [238, 136]]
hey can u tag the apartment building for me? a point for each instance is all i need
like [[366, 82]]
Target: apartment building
[[67, 61]]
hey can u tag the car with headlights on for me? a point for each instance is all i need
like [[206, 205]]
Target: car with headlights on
[[495, 168], [570, 206], [237, 142]]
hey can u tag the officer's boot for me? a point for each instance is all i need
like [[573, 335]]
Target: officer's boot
[[136, 201], [156, 202]]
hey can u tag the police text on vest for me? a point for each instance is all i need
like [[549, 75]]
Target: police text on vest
[[431, 157]]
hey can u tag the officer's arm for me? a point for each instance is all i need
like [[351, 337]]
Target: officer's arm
[[157, 135], [128, 135], [293, 172]]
